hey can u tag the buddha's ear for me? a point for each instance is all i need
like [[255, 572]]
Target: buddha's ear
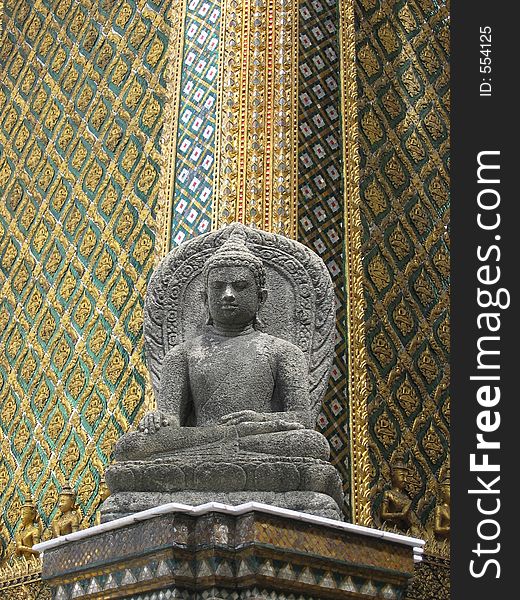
[[263, 296]]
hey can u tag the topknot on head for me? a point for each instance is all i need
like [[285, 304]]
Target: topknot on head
[[235, 253]]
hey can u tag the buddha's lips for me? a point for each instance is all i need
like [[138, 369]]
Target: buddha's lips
[[228, 306]]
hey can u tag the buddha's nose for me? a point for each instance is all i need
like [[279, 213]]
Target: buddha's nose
[[228, 294]]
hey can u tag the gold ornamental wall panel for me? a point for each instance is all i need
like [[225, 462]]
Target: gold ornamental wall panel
[[82, 94], [403, 105]]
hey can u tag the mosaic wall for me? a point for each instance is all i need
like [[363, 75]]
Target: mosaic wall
[[196, 122], [320, 207], [81, 101], [403, 54]]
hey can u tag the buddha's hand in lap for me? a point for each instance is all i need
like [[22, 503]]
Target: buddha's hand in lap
[[265, 427], [242, 416], [154, 420]]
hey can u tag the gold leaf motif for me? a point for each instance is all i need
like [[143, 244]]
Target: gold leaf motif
[[70, 80], [134, 95], [59, 60], [46, 44], [15, 343], [94, 409], [432, 444], [66, 136], [444, 334], [375, 198], [42, 396], [407, 19], [62, 353], [4, 318], [10, 255], [104, 56], [119, 72], [22, 437], [28, 215], [59, 198], [368, 60], [83, 310], [54, 261], [438, 191], [120, 293], [73, 220], [385, 430], [5, 173], [94, 174], [371, 127], [441, 260], [403, 319], [85, 98], [46, 177], [34, 157], [138, 34], [21, 138], [79, 156], [125, 223], [419, 218], [10, 120], [114, 137], [109, 439], [56, 425], [142, 248], [36, 467], [428, 366], [90, 39], [388, 38], [97, 339], [20, 279], [124, 15], [415, 148], [429, 59], [424, 289], [33, 305], [433, 125], [77, 23], [47, 327], [133, 397], [135, 323], [109, 200], [71, 458], [411, 82], [9, 409], [99, 116], [88, 487], [130, 156], [146, 178], [4, 476], [379, 273], [153, 108], [63, 8], [391, 103], [28, 368], [34, 28], [399, 243], [155, 52], [76, 382], [27, 82], [88, 243], [407, 397], [104, 266], [395, 172], [115, 367], [68, 285], [382, 349]]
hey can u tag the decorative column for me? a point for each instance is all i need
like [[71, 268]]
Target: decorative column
[[256, 178]]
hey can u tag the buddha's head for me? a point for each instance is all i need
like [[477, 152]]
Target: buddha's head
[[234, 285], [445, 491]]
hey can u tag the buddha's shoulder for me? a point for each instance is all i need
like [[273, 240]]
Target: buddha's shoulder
[[279, 345]]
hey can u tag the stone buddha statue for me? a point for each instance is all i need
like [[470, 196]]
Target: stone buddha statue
[[235, 413]]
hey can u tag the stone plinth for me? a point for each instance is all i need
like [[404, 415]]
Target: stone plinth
[[220, 552]]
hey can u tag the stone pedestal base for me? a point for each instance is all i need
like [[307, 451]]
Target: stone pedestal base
[[221, 552]]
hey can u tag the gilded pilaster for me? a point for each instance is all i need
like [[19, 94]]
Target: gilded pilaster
[[356, 353], [256, 181]]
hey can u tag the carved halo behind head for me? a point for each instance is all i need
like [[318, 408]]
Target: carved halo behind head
[[299, 305]]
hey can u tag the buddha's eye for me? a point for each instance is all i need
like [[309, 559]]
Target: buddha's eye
[[241, 285]]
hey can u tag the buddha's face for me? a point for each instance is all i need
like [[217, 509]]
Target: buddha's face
[[233, 297]]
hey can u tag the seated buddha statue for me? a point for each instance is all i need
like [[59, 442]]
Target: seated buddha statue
[[233, 384], [234, 418], [29, 533]]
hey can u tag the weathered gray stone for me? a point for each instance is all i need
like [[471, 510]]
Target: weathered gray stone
[[239, 339]]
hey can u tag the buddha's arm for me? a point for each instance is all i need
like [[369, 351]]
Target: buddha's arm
[[174, 391]]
